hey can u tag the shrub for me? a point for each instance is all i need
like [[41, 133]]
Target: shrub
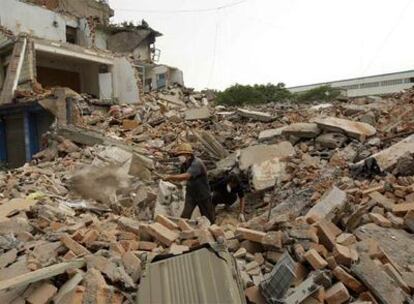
[[322, 94], [246, 94]]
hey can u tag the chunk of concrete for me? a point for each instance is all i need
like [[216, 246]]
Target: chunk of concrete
[[388, 158], [302, 130], [260, 153], [328, 205], [270, 134], [255, 115], [378, 282], [198, 114], [331, 140], [266, 174], [389, 239], [354, 129]]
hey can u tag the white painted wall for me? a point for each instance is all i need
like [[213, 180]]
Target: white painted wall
[[125, 82], [177, 76], [22, 17], [142, 52], [101, 40]]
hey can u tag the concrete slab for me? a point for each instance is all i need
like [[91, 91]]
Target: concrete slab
[[389, 239], [198, 114], [265, 174], [302, 130], [270, 134], [329, 203], [387, 159], [378, 282], [354, 129], [260, 153], [255, 115]]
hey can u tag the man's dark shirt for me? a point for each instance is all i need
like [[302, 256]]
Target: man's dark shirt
[[197, 186], [229, 197]]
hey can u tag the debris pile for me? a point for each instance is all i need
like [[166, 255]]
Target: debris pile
[[330, 207]]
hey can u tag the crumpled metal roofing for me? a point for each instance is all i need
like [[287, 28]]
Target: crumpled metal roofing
[[201, 276]]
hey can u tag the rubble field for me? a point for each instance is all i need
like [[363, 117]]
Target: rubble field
[[329, 206]]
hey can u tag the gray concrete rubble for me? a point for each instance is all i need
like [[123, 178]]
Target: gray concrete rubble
[[331, 140], [354, 129], [328, 211], [260, 153], [302, 130], [255, 115], [198, 114], [388, 158], [270, 134]]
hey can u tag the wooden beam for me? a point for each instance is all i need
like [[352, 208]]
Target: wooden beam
[[41, 274]]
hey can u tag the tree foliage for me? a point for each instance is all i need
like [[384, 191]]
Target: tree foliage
[[238, 94], [246, 94]]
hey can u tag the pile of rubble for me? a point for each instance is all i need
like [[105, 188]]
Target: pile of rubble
[[330, 209]]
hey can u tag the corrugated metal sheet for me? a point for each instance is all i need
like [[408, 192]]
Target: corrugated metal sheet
[[201, 276]]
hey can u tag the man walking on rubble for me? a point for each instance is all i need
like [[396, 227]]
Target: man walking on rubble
[[198, 192]]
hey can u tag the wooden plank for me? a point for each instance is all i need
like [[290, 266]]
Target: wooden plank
[[41, 274]]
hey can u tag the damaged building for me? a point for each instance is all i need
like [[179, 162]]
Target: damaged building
[[72, 44]]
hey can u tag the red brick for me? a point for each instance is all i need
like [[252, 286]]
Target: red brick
[[337, 294], [320, 249], [251, 235], [117, 248], [217, 231], [346, 239], [69, 256], [132, 265], [130, 124], [129, 245], [343, 255], [403, 208], [348, 280], [380, 220], [163, 220], [71, 244], [315, 260], [162, 234], [184, 225], [331, 262], [146, 246], [368, 297], [299, 252], [326, 235], [90, 237]]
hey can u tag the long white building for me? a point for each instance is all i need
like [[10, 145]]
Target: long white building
[[370, 85]]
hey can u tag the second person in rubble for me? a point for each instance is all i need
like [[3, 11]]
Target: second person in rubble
[[198, 192]]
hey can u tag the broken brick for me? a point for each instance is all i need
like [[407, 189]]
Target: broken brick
[[251, 235], [348, 280], [163, 220], [74, 246], [162, 234], [315, 260], [337, 294], [380, 220]]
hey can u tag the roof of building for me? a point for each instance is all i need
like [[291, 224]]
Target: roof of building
[[350, 79]]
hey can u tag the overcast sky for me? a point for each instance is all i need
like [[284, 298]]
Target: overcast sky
[[292, 41]]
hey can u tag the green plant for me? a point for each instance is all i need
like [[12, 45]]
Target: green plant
[[322, 94], [246, 94]]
